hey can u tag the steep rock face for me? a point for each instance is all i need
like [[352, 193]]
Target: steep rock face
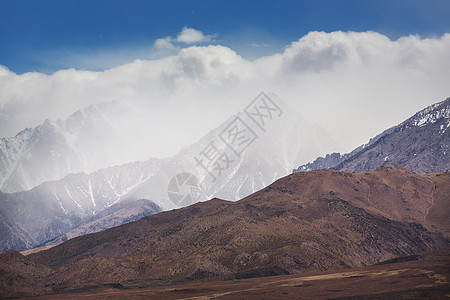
[[420, 144], [317, 220]]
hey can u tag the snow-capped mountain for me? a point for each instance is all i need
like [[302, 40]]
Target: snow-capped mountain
[[52, 150], [34, 156], [229, 166], [244, 154], [421, 144], [285, 141], [30, 218]]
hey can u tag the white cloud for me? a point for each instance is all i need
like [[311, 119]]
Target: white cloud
[[164, 44], [354, 84], [192, 36], [188, 36]]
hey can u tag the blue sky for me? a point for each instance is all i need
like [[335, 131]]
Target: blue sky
[[46, 35]]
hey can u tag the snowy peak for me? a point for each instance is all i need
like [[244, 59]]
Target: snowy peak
[[34, 156], [430, 115], [421, 144], [52, 150]]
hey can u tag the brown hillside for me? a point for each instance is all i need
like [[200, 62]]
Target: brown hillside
[[311, 221]]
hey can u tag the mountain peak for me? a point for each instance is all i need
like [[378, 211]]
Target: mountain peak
[[421, 144], [46, 125], [430, 115]]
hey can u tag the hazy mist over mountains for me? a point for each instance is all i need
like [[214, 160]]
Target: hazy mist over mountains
[[220, 169], [221, 164], [335, 79], [111, 133], [83, 121], [87, 141]]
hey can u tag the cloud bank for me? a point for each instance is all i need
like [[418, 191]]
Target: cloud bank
[[353, 84]]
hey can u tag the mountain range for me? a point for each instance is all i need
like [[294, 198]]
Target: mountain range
[[68, 203], [384, 200], [309, 221], [421, 144]]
